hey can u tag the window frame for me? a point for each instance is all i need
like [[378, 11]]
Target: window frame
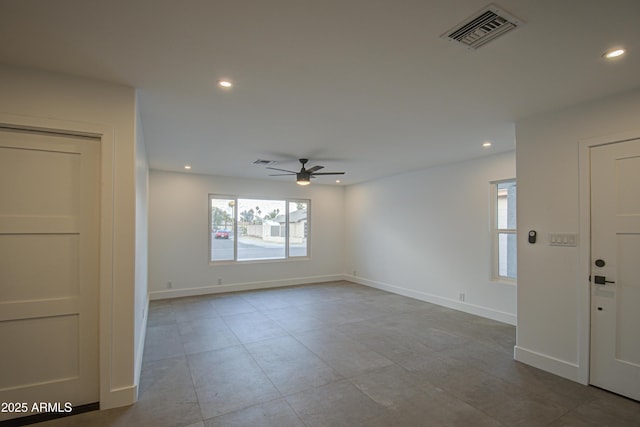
[[236, 198], [307, 229], [496, 231]]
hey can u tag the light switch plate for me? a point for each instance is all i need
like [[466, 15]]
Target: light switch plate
[[563, 239]]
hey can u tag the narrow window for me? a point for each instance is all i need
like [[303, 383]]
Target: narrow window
[[504, 230]]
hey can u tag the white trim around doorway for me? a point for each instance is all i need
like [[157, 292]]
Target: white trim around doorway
[[109, 396], [584, 254]]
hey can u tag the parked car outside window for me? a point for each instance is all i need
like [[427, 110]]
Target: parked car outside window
[[222, 234]]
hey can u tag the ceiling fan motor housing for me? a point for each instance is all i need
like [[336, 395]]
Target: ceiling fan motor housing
[[303, 176]]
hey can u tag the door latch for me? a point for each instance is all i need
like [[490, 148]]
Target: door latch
[[601, 280]]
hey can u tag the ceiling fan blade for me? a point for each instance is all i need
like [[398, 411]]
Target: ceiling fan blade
[[281, 170], [304, 174]]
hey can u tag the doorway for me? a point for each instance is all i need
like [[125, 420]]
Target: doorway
[[614, 267], [49, 270]]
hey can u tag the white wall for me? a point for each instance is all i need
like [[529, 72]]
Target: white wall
[[39, 99], [552, 312], [178, 235], [426, 234], [141, 303]]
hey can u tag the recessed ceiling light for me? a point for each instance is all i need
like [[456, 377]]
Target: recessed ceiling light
[[337, 181], [225, 83], [187, 167], [486, 144], [614, 53]]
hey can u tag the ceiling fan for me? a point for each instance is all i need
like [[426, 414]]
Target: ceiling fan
[[304, 176]]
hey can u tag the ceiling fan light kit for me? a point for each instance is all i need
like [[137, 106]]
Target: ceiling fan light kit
[[303, 177]]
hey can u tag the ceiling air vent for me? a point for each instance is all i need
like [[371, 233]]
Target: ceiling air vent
[[486, 25], [264, 162]]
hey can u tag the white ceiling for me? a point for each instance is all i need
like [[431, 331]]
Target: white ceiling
[[365, 86]]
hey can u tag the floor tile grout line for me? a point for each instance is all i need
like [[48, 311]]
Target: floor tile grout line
[[195, 390], [327, 363], [295, 412], [262, 369], [283, 395]]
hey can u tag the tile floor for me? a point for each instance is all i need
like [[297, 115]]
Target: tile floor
[[340, 354]]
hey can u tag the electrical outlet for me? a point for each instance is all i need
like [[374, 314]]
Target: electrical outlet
[[219, 281], [169, 285], [461, 296], [355, 273]]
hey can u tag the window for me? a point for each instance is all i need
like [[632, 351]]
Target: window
[[298, 227], [504, 230], [244, 229]]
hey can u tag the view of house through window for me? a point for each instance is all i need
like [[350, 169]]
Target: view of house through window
[[505, 230], [257, 229], [298, 228]]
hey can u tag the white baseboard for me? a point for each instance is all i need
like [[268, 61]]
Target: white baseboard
[[234, 287], [140, 345], [562, 368], [125, 396], [116, 398], [435, 299]]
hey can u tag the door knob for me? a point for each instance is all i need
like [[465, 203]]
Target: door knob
[[601, 280], [600, 263]]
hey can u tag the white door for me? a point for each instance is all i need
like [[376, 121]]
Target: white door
[[49, 223], [615, 268]]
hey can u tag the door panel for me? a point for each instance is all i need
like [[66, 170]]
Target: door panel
[[39, 363], [628, 313], [49, 188], [57, 273], [48, 185], [615, 240]]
